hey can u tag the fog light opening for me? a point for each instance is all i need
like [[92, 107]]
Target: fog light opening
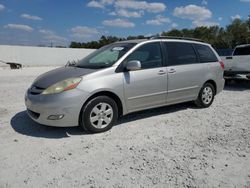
[[55, 117]]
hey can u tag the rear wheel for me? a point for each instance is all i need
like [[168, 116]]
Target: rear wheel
[[206, 96], [99, 114]]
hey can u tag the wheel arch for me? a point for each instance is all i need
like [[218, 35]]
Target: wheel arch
[[108, 94], [213, 83]]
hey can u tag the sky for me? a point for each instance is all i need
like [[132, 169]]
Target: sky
[[58, 22]]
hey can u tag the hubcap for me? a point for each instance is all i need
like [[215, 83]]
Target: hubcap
[[101, 115], [207, 95]]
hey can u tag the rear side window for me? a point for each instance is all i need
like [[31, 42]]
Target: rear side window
[[242, 51], [179, 53], [205, 53]]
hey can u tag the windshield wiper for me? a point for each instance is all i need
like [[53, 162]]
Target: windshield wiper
[[72, 63]]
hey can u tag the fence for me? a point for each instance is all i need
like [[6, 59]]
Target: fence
[[40, 56]]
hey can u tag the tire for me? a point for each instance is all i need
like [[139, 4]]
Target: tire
[[248, 77], [98, 115], [206, 96]]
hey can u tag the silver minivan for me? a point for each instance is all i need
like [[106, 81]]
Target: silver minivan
[[125, 77]]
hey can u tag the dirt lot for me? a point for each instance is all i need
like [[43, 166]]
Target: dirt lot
[[176, 146]]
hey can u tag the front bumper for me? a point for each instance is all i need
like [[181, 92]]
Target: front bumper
[[68, 104]]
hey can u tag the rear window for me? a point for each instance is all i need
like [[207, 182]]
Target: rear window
[[205, 53], [179, 53], [242, 51]]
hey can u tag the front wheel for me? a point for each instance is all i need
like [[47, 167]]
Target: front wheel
[[99, 114], [206, 96]]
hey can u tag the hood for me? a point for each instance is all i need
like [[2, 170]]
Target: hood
[[49, 78]]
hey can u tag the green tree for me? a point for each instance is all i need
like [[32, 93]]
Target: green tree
[[237, 32]]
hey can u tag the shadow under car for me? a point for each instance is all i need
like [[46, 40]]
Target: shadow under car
[[23, 124]]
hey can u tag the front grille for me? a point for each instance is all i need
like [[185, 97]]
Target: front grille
[[35, 115], [34, 90]]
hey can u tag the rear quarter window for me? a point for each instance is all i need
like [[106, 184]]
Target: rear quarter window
[[205, 53], [242, 51]]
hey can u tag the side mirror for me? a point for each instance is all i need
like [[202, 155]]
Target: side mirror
[[133, 65]]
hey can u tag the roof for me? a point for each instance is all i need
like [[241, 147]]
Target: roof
[[166, 38], [132, 41], [177, 38]]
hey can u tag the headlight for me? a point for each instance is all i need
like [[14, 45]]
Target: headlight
[[61, 86]]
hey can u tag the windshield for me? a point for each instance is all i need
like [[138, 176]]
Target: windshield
[[105, 56]]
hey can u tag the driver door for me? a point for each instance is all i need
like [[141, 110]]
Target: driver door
[[147, 87]]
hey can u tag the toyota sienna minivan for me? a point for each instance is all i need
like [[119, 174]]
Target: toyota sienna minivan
[[125, 77]]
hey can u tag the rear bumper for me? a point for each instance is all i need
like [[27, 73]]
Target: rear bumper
[[232, 73], [68, 104], [220, 86]]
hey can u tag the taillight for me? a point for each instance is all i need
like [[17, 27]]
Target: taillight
[[222, 65]]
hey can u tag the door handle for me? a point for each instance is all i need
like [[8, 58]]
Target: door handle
[[161, 72], [172, 71]]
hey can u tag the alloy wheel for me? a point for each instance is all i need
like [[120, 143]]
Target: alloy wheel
[[101, 115]]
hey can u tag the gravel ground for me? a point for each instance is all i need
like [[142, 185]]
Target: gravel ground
[[175, 146]]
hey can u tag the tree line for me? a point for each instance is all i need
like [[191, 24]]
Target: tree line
[[236, 33]]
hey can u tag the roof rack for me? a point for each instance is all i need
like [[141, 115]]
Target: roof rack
[[173, 37]]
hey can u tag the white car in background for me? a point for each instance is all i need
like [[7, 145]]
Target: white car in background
[[239, 63]]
